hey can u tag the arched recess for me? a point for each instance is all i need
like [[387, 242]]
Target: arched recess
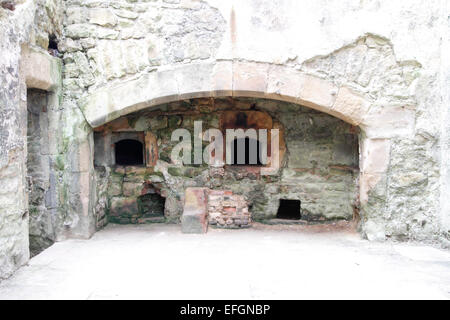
[[261, 80]]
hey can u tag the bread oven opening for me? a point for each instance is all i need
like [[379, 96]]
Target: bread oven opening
[[151, 205], [248, 137], [289, 209], [246, 152], [129, 152]]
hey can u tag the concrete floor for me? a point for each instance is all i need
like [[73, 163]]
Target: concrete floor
[[159, 262]]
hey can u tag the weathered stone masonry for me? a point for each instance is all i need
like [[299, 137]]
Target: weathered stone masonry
[[25, 64], [319, 160], [74, 73]]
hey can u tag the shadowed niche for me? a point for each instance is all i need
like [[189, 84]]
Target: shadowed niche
[[129, 153], [289, 209]]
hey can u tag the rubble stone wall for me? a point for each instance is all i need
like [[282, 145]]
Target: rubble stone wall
[[319, 161]]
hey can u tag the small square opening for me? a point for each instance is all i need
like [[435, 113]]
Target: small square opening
[[289, 209], [129, 153]]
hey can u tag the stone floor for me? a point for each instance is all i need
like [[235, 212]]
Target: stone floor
[[267, 262]]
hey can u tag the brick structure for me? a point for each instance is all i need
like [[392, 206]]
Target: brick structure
[[220, 208], [228, 210]]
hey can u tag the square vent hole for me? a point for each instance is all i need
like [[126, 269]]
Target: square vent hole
[[289, 209]]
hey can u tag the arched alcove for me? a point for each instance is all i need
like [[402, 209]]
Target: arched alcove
[[267, 81], [318, 158]]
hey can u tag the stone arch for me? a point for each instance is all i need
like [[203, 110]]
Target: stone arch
[[223, 78], [270, 81]]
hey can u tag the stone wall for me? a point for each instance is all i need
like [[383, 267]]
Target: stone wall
[[108, 42], [19, 25], [377, 65], [38, 173], [135, 196], [445, 136], [319, 159]]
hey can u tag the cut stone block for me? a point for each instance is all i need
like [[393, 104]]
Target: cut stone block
[[194, 218], [125, 207]]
